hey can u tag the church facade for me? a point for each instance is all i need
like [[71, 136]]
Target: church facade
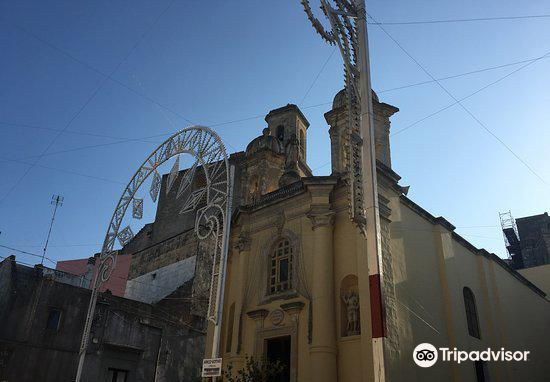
[[298, 286]]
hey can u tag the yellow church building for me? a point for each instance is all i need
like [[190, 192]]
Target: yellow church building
[[298, 286]]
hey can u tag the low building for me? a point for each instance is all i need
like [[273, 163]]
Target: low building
[[87, 269], [42, 315]]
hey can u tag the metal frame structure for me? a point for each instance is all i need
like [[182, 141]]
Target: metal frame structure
[[348, 30], [344, 34], [212, 221], [508, 225]]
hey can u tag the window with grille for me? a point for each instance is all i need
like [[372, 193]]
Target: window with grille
[[471, 313], [280, 277]]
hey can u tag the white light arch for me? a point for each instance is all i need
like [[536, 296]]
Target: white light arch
[[212, 221]]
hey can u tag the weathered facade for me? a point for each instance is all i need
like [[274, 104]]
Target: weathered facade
[[298, 287], [42, 313]]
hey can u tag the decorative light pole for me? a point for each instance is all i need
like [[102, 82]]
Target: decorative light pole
[[212, 221], [347, 19]]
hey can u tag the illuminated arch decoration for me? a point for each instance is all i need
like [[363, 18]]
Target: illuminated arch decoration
[[211, 201], [341, 15]]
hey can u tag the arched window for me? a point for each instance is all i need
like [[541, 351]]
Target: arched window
[[471, 312], [281, 133], [280, 275]]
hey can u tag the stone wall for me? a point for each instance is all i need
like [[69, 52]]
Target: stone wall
[[146, 340]]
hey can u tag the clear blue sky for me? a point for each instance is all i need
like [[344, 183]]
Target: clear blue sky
[[220, 61]]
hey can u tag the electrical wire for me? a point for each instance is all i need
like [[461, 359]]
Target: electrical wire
[[87, 102], [258, 116], [530, 62], [65, 171], [463, 74], [98, 71], [85, 148], [446, 21], [26, 253], [459, 102], [317, 76], [19, 262]]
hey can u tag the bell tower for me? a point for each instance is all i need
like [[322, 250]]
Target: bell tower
[[337, 119], [290, 126]]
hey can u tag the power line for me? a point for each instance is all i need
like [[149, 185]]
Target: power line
[[18, 262], [317, 76], [90, 147], [109, 76], [459, 102], [64, 171], [88, 100], [463, 74], [445, 21], [57, 245], [121, 140], [478, 226], [26, 253], [100, 72], [27, 126], [529, 62], [321, 166]]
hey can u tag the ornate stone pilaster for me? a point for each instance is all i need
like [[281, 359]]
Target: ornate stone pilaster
[[242, 245], [323, 344]]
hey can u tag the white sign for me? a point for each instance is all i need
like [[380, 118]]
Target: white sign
[[212, 367]]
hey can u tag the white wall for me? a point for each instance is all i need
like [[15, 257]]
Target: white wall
[[154, 286]]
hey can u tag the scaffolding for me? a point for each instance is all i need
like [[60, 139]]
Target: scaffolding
[[510, 233]]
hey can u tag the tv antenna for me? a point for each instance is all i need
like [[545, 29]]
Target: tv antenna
[[57, 201]]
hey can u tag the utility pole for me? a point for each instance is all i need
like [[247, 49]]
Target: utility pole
[[348, 31], [57, 201], [370, 189]]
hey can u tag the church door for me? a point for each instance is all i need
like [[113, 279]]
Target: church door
[[279, 349]]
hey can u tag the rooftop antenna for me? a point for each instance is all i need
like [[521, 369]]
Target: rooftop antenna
[[57, 201]]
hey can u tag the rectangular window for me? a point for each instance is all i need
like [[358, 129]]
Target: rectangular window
[[281, 267], [54, 319], [117, 375]]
